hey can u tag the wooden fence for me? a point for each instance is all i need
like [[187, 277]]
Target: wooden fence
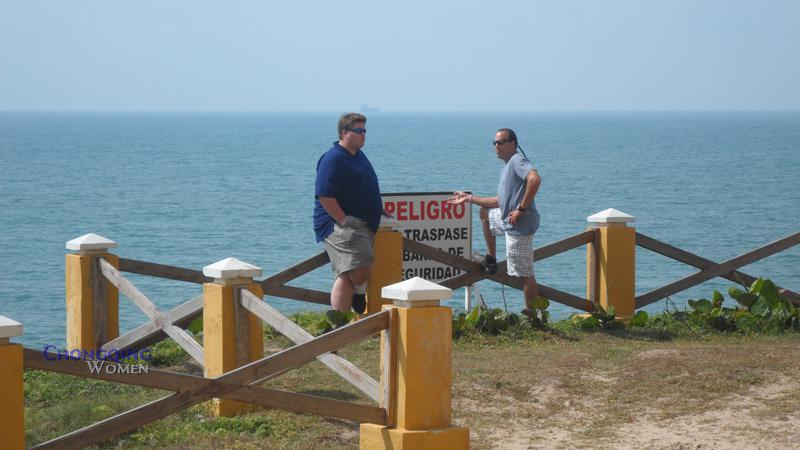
[[240, 384]]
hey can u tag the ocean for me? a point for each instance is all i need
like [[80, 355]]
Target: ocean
[[189, 189]]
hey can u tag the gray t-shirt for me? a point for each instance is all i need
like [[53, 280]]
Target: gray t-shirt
[[510, 192]]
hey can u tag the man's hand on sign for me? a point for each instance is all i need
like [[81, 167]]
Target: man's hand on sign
[[459, 198]]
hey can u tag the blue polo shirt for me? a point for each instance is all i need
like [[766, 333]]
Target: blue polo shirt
[[352, 181]]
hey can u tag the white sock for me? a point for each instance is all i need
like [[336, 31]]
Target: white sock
[[361, 288]]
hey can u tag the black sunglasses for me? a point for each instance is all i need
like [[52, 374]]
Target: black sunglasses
[[358, 130], [500, 142]]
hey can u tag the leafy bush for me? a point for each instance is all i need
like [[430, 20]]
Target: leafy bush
[[599, 319], [484, 320], [760, 310], [538, 315]]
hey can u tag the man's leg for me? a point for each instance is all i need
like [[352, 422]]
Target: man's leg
[[519, 254], [344, 286], [531, 290], [491, 239]]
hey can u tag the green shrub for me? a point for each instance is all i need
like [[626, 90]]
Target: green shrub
[[760, 310], [484, 320]]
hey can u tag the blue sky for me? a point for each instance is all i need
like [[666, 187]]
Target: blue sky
[[402, 56]]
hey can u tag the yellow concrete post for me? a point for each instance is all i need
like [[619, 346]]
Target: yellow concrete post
[[388, 265], [12, 414], [611, 262], [92, 301], [232, 336], [416, 373]]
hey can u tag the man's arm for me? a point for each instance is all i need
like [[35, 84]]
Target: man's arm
[[461, 197], [532, 180], [331, 206]]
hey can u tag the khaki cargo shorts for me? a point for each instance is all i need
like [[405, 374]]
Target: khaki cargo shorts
[[350, 246]]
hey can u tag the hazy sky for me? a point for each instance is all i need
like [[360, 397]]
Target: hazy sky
[[402, 55]]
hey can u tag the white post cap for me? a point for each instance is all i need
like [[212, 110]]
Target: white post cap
[[416, 292], [9, 328], [231, 268], [390, 224], [90, 241], [611, 215]]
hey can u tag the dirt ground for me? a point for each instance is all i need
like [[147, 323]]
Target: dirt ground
[[611, 392]]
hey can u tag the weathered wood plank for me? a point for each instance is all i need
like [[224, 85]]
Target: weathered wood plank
[[475, 274], [563, 245], [100, 304], [556, 295], [298, 335], [540, 253], [229, 383], [295, 293], [163, 271], [124, 422], [565, 298], [151, 310], [308, 404], [278, 363], [160, 379], [502, 277], [717, 270], [464, 279], [389, 369], [692, 259], [186, 342], [241, 319], [131, 292], [150, 333], [593, 250], [155, 378], [299, 269]]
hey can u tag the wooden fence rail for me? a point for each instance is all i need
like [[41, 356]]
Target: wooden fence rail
[[275, 285], [692, 259], [236, 385], [475, 273], [715, 270], [151, 310], [298, 335]]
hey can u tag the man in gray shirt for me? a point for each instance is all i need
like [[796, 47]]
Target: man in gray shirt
[[511, 212]]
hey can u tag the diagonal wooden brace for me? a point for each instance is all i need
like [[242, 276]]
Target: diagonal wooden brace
[[718, 270], [298, 335], [475, 272], [130, 291], [224, 386], [692, 259]]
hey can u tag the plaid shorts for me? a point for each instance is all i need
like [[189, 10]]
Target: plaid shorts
[[519, 247]]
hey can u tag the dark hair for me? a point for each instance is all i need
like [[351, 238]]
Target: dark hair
[[510, 135], [347, 120]]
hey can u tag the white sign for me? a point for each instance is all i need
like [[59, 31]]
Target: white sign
[[426, 217]]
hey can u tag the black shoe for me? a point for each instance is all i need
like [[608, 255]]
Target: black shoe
[[360, 303], [490, 264]]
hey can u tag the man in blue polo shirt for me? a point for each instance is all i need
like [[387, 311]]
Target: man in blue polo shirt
[[347, 212]]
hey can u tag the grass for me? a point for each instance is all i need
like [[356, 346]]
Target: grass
[[562, 387]]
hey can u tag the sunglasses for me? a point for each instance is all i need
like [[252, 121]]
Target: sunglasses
[[500, 142], [358, 130]]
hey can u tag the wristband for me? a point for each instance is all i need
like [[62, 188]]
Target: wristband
[[520, 208], [469, 199]]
